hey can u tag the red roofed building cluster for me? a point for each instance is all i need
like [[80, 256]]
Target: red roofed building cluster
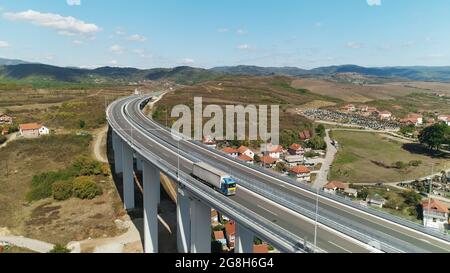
[[435, 214]]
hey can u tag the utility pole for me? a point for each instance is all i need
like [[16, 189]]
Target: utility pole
[[430, 189], [317, 218]]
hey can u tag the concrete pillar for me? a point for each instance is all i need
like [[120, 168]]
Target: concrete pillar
[[200, 227], [151, 193], [139, 162], [128, 177], [183, 222], [243, 240], [117, 147]]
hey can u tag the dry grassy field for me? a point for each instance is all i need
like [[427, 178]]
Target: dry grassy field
[[354, 92]]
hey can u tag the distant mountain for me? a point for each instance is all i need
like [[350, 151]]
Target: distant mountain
[[29, 72], [47, 73], [419, 73], [11, 62]]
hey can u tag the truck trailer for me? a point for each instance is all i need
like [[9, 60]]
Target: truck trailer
[[215, 178]]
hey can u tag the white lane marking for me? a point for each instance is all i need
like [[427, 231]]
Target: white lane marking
[[261, 207], [338, 246]]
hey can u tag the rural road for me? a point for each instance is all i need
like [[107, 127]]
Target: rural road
[[99, 142], [322, 176], [35, 245], [10, 138]]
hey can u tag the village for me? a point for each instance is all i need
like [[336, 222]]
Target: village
[[302, 163], [9, 129]]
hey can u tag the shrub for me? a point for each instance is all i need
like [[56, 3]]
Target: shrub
[[85, 188], [415, 163], [400, 165], [2, 139], [41, 185], [85, 166], [59, 249], [62, 190], [105, 169]]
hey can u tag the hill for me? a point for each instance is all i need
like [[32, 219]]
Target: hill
[[11, 62]]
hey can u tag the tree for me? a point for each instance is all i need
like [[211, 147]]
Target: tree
[[412, 198], [317, 143], [2, 139], [59, 249], [408, 129], [85, 188], [257, 158], [281, 167], [81, 123], [321, 131], [435, 135]]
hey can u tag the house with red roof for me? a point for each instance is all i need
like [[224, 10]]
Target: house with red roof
[[302, 173], [334, 187], [246, 151], [296, 149], [444, 118], [268, 162], [261, 249], [246, 159], [230, 151], [274, 151], [349, 108], [32, 130], [305, 135], [209, 141], [5, 119], [230, 233], [413, 119], [435, 214]]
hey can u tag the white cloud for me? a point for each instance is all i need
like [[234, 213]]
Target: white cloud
[[137, 38], [77, 42], [51, 20], [354, 45], [241, 32], [187, 61], [73, 2], [374, 2], [113, 62], [117, 49], [66, 33], [50, 57], [222, 30], [3, 44], [120, 31], [243, 47]]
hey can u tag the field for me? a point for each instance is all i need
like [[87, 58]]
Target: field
[[356, 161], [48, 220]]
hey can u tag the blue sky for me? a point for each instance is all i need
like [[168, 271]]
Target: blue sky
[[205, 33]]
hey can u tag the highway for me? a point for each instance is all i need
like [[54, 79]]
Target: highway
[[342, 228]]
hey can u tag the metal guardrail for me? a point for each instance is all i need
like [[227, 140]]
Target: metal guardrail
[[203, 192]]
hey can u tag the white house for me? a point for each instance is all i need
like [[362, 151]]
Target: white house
[[385, 115], [273, 151], [294, 160], [302, 173], [435, 214], [33, 130], [230, 151], [246, 151], [445, 118]]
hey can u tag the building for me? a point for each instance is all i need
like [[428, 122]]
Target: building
[[246, 151], [246, 159], [5, 119], [294, 160], [376, 201], [268, 162], [5, 131], [230, 233], [363, 108], [32, 130], [219, 236], [339, 187], [385, 115], [210, 142], [305, 135], [273, 151], [261, 249], [444, 118], [296, 149], [349, 108], [435, 214], [230, 151], [214, 217], [302, 173], [414, 119]]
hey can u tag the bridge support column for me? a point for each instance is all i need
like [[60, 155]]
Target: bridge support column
[[183, 222], [128, 177], [151, 197], [200, 227], [243, 240], [117, 147], [139, 163]]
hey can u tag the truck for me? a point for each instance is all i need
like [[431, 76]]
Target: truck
[[217, 179]]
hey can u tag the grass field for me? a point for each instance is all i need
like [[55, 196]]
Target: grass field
[[48, 220], [355, 161]]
